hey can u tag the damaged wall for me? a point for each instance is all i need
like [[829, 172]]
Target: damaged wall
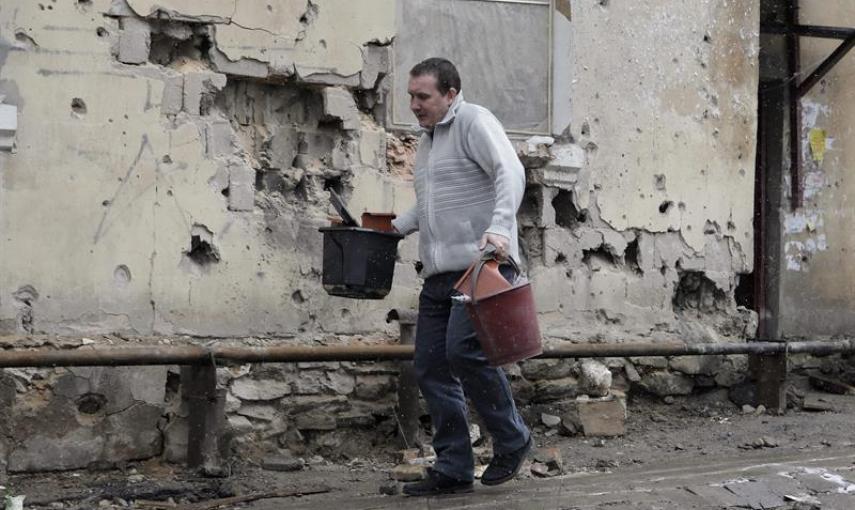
[[817, 268], [651, 206], [163, 168], [158, 185]]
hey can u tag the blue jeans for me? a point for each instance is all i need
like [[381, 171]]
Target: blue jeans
[[450, 366]]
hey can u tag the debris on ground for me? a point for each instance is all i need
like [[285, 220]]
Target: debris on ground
[[408, 473]]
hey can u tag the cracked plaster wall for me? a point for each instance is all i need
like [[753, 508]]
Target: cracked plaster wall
[[129, 201], [663, 108], [817, 269], [170, 159]]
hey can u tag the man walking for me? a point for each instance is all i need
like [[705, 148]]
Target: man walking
[[469, 184]]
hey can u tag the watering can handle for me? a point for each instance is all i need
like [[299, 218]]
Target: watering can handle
[[489, 254]]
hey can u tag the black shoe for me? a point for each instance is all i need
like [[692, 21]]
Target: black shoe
[[437, 483], [504, 467]]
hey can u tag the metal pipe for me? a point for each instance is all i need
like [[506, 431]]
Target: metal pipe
[[826, 66], [199, 355], [794, 69], [820, 32]]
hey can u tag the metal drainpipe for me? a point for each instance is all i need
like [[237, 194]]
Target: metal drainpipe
[[408, 390]]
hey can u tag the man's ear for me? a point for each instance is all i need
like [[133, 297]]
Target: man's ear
[[451, 94]]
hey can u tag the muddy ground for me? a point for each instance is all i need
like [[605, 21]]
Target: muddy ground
[[702, 428]]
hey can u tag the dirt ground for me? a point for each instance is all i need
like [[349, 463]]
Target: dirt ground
[[703, 428]]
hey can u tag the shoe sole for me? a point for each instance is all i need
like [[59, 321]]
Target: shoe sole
[[445, 492], [511, 476]]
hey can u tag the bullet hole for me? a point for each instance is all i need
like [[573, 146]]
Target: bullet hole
[[84, 5], [712, 227], [91, 403], [78, 107], [25, 41], [744, 293], [630, 257], [269, 7], [345, 313], [335, 184], [102, 32], [106, 203], [225, 192], [603, 3], [707, 38], [659, 182], [586, 129], [566, 214], [601, 254], [202, 253], [167, 159], [731, 226], [297, 297], [666, 206], [560, 258], [122, 276]]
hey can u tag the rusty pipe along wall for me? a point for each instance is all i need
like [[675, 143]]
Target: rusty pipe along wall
[[199, 355]]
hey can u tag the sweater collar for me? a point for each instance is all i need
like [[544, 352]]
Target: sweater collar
[[452, 110], [449, 115]]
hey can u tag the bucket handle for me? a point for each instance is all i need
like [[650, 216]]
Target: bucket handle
[[489, 254]]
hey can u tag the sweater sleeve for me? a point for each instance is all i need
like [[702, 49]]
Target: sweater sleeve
[[408, 221], [489, 146]]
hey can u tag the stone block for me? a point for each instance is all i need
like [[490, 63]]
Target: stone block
[[375, 65], [374, 387], [218, 134], [341, 383], [696, 365], [240, 425], [339, 104], [262, 412], [246, 388], [555, 389], [534, 152], [650, 361], [283, 463], [326, 403], [595, 379], [535, 369], [605, 417], [563, 170], [172, 101], [372, 148], [408, 473], [315, 421], [134, 41], [8, 126], [199, 90], [243, 67], [666, 383], [241, 187]]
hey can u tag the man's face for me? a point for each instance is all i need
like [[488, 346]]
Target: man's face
[[426, 102]]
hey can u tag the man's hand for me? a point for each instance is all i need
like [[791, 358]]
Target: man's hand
[[501, 243]]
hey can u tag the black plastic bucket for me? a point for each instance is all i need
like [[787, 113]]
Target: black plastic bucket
[[358, 262]]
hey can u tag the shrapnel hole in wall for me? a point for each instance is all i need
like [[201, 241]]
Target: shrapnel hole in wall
[[172, 41], [695, 292], [566, 214]]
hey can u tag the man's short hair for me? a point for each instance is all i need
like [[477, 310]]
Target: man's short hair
[[443, 70]]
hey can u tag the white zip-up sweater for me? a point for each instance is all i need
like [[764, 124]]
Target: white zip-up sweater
[[468, 181]]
